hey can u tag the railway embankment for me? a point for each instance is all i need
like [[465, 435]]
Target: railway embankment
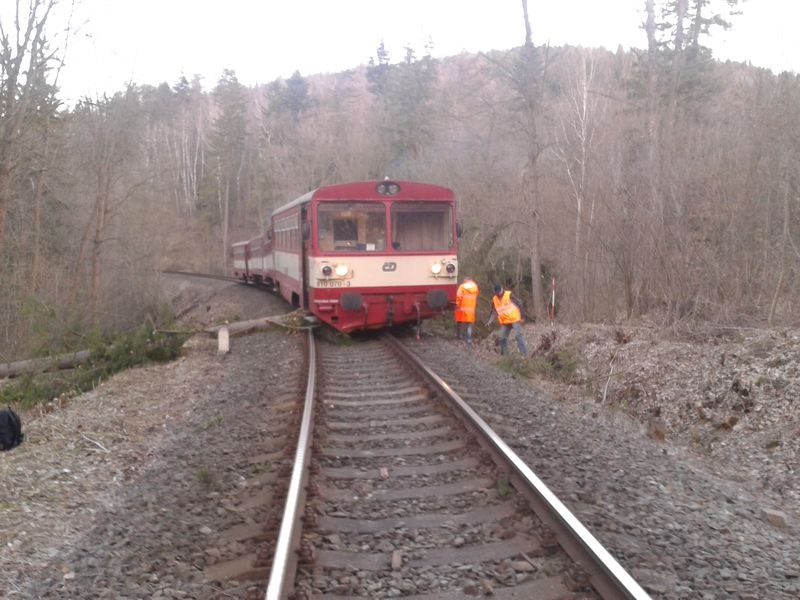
[[679, 453]]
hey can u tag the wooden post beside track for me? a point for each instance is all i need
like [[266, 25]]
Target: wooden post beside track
[[223, 340]]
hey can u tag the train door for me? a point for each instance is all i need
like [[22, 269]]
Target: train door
[[305, 246]]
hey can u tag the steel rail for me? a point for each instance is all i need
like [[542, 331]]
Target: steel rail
[[608, 577], [281, 580]]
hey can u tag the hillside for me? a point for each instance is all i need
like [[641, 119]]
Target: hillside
[[726, 394]]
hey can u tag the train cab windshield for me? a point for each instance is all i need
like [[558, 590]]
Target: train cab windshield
[[362, 226], [351, 226], [422, 226]]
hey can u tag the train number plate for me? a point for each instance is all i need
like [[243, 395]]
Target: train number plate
[[331, 283]]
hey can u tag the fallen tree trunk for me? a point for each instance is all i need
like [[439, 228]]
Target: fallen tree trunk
[[40, 365], [74, 359], [235, 328], [295, 320], [240, 327]]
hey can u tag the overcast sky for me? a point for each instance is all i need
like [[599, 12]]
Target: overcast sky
[[152, 41]]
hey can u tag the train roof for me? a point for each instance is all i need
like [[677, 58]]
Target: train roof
[[368, 190]]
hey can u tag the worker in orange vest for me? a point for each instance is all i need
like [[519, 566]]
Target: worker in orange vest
[[466, 300], [508, 310]]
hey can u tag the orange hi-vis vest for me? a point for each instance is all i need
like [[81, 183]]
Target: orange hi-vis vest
[[466, 300], [507, 311]]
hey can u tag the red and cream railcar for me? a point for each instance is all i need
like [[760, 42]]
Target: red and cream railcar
[[361, 255]]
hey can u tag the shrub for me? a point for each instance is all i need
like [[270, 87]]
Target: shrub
[[562, 364]]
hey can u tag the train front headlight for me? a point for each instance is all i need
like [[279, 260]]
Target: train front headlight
[[327, 270], [436, 268], [450, 268], [342, 270]]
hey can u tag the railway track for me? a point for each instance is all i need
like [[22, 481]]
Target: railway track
[[199, 275], [400, 489]]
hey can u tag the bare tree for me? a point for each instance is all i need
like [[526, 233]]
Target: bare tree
[[228, 143], [109, 135], [25, 59], [530, 88], [575, 146]]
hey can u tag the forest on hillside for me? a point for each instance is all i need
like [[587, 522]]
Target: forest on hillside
[[658, 182]]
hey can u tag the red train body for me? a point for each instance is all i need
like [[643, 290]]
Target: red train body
[[363, 255]]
